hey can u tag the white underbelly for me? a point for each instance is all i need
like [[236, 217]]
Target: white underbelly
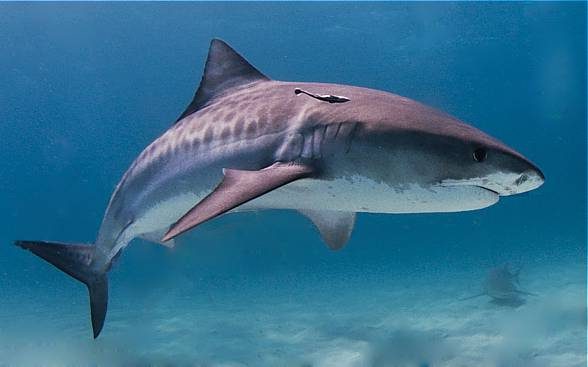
[[357, 194], [160, 215]]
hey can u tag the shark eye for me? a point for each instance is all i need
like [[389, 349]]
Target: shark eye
[[480, 154]]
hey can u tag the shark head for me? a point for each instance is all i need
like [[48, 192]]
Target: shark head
[[493, 166], [404, 144], [455, 154]]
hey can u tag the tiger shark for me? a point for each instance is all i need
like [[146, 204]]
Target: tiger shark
[[247, 142]]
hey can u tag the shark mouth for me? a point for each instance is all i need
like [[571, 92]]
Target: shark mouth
[[468, 195], [487, 189], [502, 183], [469, 183], [473, 191], [496, 187], [472, 185]]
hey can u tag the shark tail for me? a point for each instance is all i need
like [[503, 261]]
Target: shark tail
[[76, 261]]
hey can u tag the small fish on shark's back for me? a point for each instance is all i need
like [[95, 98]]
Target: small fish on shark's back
[[247, 142]]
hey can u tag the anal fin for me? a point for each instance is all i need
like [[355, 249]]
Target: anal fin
[[236, 188], [335, 227]]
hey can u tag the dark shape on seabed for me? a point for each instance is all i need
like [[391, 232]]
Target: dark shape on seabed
[[247, 142], [502, 285]]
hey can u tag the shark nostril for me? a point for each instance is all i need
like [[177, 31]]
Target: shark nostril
[[521, 180]]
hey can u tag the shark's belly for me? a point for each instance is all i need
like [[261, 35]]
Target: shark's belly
[[350, 195], [156, 219], [358, 194], [354, 194]]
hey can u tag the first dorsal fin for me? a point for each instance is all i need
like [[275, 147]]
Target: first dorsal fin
[[224, 69]]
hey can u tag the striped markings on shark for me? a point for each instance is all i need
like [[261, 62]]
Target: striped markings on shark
[[247, 142]]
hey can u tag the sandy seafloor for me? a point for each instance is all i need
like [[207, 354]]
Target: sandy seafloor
[[359, 318]]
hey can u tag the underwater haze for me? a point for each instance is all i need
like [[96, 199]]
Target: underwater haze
[[84, 87]]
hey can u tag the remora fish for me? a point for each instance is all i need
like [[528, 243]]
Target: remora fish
[[247, 142]]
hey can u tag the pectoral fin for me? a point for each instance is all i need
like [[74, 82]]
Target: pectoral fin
[[156, 238], [335, 227], [237, 188]]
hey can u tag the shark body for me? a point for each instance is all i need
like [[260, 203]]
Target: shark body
[[247, 142]]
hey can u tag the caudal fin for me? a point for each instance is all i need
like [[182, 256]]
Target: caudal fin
[[76, 260]]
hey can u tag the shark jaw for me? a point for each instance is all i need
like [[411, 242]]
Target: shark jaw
[[501, 183]]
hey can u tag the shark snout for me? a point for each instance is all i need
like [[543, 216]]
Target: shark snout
[[529, 177], [506, 184], [528, 180], [513, 174]]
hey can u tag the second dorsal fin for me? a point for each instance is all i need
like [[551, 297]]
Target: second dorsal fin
[[224, 69]]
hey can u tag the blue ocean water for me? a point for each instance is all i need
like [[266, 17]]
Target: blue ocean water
[[85, 87]]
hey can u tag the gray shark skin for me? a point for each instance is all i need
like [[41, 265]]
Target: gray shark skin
[[247, 142]]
